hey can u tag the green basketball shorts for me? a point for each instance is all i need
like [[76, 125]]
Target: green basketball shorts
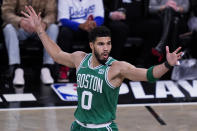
[[76, 126]]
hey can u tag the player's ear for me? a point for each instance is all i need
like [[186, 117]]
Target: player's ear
[[91, 45]]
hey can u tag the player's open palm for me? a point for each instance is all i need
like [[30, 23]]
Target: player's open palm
[[33, 19], [173, 57]]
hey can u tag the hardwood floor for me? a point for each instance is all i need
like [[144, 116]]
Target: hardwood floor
[[177, 118]]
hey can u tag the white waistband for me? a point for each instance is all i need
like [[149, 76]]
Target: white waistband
[[93, 125]]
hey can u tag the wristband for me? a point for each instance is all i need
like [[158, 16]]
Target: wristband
[[167, 65], [150, 76]]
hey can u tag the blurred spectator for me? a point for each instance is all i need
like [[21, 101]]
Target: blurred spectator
[[77, 18], [15, 28], [171, 13], [192, 24], [144, 30], [115, 16], [0, 22]]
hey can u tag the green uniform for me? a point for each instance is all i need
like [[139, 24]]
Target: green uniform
[[97, 98]]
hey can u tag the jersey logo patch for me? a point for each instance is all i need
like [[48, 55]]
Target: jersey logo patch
[[101, 71]]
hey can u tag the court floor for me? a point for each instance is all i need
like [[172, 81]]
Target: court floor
[[38, 107], [133, 118]]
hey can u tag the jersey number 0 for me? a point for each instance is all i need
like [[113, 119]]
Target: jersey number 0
[[88, 95]]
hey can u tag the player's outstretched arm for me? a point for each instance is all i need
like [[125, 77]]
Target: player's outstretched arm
[[64, 58], [140, 74]]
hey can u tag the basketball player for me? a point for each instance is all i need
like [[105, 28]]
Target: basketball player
[[98, 75]]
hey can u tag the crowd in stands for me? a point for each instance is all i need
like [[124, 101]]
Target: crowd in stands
[[152, 23]]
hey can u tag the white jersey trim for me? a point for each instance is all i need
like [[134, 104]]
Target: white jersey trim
[[82, 63], [106, 79], [93, 125], [93, 68], [109, 128]]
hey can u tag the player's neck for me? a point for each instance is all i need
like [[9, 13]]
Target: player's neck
[[94, 62]]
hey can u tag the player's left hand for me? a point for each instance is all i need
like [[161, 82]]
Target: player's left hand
[[173, 57]]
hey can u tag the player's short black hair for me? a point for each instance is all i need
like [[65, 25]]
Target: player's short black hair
[[100, 31]]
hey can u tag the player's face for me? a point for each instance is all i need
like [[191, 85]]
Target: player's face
[[101, 48]]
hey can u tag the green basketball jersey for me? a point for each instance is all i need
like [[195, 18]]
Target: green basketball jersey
[[97, 98]]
